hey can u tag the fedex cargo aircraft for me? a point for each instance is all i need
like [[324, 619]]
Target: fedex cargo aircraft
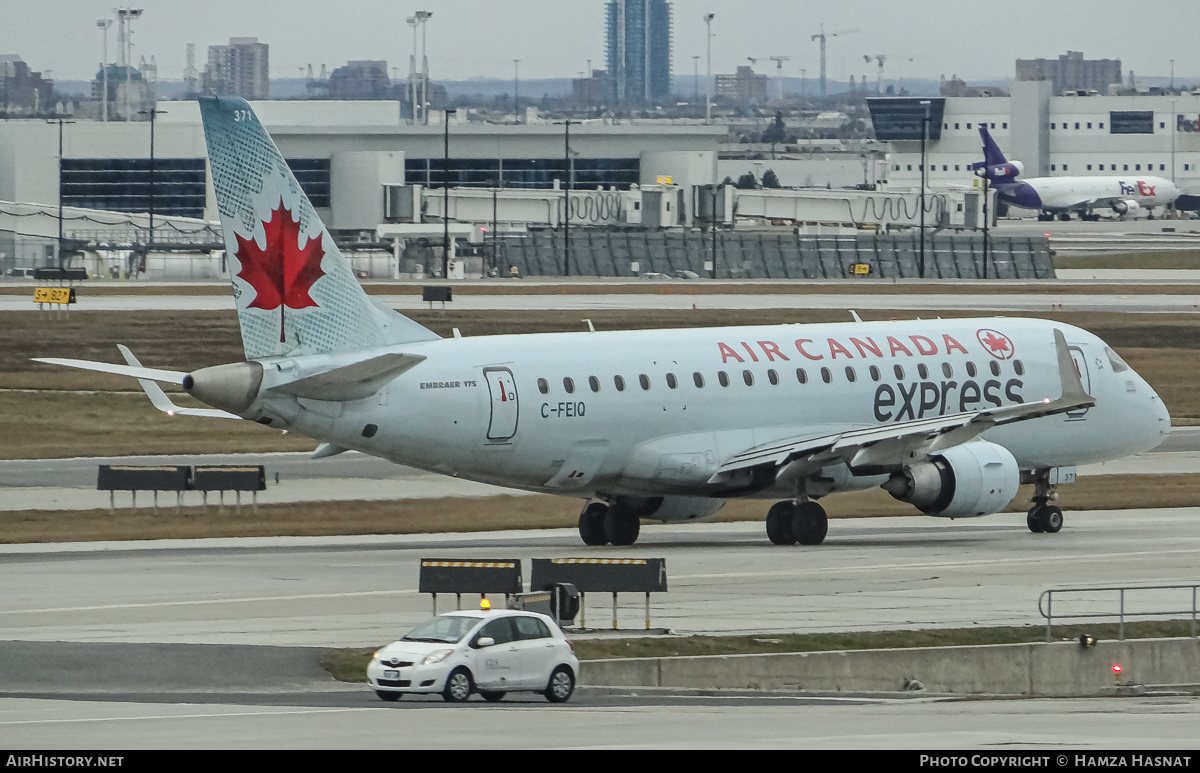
[[1061, 196], [947, 415]]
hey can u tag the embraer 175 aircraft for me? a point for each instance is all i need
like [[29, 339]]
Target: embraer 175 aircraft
[[948, 415], [1061, 196]]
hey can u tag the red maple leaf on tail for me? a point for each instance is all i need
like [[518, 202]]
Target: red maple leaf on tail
[[283, 272]]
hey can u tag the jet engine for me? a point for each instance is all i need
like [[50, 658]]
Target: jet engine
[[1005, 172], [976, 478], [1125, 206]]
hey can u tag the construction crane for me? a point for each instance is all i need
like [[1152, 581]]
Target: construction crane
[[778, 60], [880, 58], [821, 36]]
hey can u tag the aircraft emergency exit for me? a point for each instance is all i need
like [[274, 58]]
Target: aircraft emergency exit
[[948, 415], [1061, 196]]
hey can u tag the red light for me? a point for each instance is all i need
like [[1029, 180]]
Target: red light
[[1116, 668]]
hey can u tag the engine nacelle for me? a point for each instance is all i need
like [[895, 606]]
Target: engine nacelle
[[672, 508], [972, 479], [1006, 172], [1125, 206]]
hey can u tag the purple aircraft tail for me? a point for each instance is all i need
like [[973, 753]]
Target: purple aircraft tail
[[994, 166]]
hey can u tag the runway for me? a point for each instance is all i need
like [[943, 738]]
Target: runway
[[871, 574]]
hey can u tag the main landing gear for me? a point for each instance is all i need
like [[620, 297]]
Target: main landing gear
[[604, 524], [803, 521], [1044, 517]]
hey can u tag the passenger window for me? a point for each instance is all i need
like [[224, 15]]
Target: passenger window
[[971, 369], [995, 368], [723, 378], [569, 385], [801, 375], [922, 371], [1019, 367], [899, 370], [644, 380], [671, 382], [874, 373], [947, 371], [773, 377], [543, 386], [851, 375], [594, 383], [748, 377], [531, 628], [826, 375], [619, 383], [699, 379], [501, 630]]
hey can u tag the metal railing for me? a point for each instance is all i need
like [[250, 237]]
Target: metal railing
[[1046, 605]]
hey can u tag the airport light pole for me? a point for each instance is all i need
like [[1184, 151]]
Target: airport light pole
[[516, 92], [712, 224], [60, 122], [567, 195], [926, 104], [986, 223], [153, 113], [708, 19], [104, 24], [446, 194]]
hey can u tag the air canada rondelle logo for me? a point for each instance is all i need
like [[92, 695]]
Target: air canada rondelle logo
[[283, 273], [997, 344]]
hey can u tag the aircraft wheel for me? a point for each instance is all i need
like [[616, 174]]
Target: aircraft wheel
[[1034, 520], [591, 524], [809, 523], [779, 524], [1052, 519], [1065, 216], [621, 526]]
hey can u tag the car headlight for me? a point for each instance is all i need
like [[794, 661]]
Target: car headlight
[[375, 656], [436, 657]]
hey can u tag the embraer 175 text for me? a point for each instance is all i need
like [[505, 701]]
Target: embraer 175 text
[[948, 415], [1061, 196]]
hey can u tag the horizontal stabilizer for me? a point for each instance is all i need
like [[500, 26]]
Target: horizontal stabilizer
[[351, 382], [163, 403], [168, 376]]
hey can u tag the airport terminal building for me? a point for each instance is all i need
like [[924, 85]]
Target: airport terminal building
[[1052, 135], [348, 156]]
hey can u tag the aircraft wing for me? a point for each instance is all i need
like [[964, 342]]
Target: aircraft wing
[[873, 450]]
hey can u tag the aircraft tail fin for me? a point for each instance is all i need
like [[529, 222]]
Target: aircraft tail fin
[[992, 156], [295, 292]]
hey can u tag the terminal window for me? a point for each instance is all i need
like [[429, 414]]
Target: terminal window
[[1131, 122], [124, 185], [538, 173], [313, 174]]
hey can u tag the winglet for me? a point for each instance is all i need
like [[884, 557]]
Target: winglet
[[1072, 388]]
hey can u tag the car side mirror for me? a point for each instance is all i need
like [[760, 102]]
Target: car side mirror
[[485, 641]]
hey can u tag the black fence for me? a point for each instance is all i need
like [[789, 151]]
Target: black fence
[[181, 478], [772, 255]]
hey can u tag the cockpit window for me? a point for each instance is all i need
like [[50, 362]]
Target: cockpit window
[[1118, 364]]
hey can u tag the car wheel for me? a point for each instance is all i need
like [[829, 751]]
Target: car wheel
[[561, 686], [388, 696], [458, 686], [489, 695]]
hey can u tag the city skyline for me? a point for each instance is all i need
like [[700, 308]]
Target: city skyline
[[469, 39]]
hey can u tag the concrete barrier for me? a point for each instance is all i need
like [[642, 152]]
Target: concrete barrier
[[1034, 669]]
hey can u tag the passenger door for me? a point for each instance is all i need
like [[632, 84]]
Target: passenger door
[[1081, 368], [496, 667], [502, 392], [537, 650]]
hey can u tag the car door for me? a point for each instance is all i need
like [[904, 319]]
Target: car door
[[496, 667], [537, 650]]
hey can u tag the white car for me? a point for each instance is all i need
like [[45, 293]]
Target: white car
[[488, 652]]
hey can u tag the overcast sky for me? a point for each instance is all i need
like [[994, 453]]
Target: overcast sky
[[555, 38]]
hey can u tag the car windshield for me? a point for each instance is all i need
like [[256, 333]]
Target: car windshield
[[447, 628]]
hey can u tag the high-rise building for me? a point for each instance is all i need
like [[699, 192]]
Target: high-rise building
[[744, 87], [1071, 72], [240, 68], [638, 50]]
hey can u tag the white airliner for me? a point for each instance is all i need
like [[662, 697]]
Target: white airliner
[[948, 415], [1061, 196]]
